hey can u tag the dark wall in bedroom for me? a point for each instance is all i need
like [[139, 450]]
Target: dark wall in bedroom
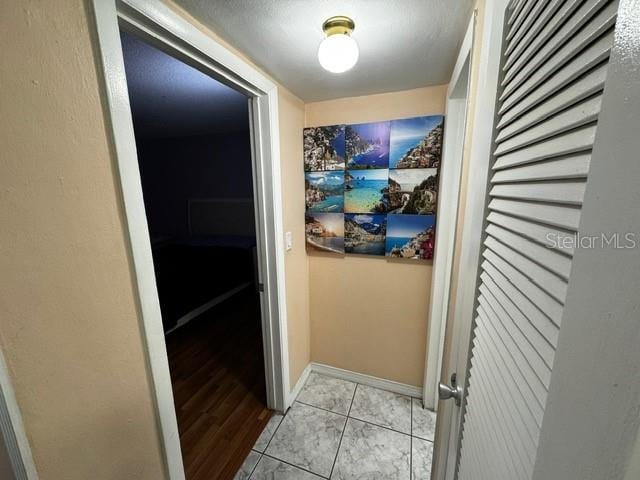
[[173, 170]]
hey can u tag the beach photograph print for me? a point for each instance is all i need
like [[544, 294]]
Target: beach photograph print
[[324, 191], [416, 142], [365, 233], [411, 236], [367, 145], [323, 148], [324, 232], [364, 191], [413, 191]]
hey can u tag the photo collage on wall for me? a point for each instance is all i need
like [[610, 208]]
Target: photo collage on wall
[[372, 188]]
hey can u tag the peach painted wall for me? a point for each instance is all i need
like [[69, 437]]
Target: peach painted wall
[[369, 315], [69, 321]]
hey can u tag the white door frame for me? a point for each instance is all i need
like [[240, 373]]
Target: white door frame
[[455, 129], [164, 27], [12, 429], [449, 422]]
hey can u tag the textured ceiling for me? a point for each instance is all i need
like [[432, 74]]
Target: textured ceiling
[[403, 43], [171, 99]]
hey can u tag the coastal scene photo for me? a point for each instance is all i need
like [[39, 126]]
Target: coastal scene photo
[[324, 191], [416, 142], [324, 148], [364, 191], [367, 145], [365, 233], [413, 191], [324, 232], [411, 236]]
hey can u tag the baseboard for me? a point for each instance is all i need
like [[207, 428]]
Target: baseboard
[[196, 312], [369, 380], [299, 384]]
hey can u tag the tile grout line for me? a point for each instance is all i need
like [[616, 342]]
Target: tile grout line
[[275, 431], [294, 466], [343, 430], [256, 465], [411, 444], [368, 422]]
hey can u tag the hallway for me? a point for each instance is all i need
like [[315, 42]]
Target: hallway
[[341, 430]]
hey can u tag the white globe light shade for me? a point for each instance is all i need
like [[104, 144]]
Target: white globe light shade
[[338, 53]]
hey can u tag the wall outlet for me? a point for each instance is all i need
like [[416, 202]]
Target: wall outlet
[[288, 241]]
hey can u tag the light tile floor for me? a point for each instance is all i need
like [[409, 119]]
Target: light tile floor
[[342, 430]]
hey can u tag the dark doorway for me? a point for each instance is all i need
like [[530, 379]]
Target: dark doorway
[[194, 152]]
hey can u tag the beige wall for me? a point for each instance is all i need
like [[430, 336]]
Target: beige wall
[[69, 325], [369, 315]]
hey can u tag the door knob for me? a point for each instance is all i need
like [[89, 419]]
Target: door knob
[[454, 390]]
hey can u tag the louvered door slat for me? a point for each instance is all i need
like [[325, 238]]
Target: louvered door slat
[[540, 233], [515, 47], [527, 22], [534, 313], [550, 259], [589, 58], [565, 144], [570, 39], [524, 350], [571, 166], [554, 71], [540, 35], [578, 115], [500, 417], [515, 121]]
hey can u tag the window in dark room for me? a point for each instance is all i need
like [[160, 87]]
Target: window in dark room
[[193, 142]]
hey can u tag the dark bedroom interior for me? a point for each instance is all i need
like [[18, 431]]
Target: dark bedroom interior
[[193, 143]]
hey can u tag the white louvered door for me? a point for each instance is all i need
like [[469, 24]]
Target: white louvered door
[[553, 70]]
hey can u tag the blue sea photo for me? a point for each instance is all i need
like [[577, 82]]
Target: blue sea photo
[[365, 233], [416, 142], [410, 236], [364, 191], [367, 145], [324, 232], [324, 191]]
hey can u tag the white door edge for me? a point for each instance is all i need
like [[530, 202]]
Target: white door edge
[[449, 418], [449, 193], [162, 25]]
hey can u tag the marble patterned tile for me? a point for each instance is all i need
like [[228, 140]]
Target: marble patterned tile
[[422, 454], [423, 421], [247, 466], [382, 408], [267, 433], [272, 469], [329, 393], [308, 437], [373, 453]]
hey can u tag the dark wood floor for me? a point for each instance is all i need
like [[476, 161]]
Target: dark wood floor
[[217, 372]]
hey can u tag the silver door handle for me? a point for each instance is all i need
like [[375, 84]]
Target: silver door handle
[[445, 392]]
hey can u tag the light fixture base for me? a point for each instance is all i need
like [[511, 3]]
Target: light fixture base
[[338, 25]]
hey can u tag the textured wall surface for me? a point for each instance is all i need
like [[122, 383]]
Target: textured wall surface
[[370, 315], [69, 324]]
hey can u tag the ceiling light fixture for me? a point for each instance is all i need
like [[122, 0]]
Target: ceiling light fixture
[[339, 51]]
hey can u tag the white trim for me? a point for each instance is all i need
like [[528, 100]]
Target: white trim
[[164, 27], [368, 380], [186, 318], [12, 429], [455, 128], [299, 384], [449, 429]]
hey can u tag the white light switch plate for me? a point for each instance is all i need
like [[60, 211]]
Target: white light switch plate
[[288, 240]]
